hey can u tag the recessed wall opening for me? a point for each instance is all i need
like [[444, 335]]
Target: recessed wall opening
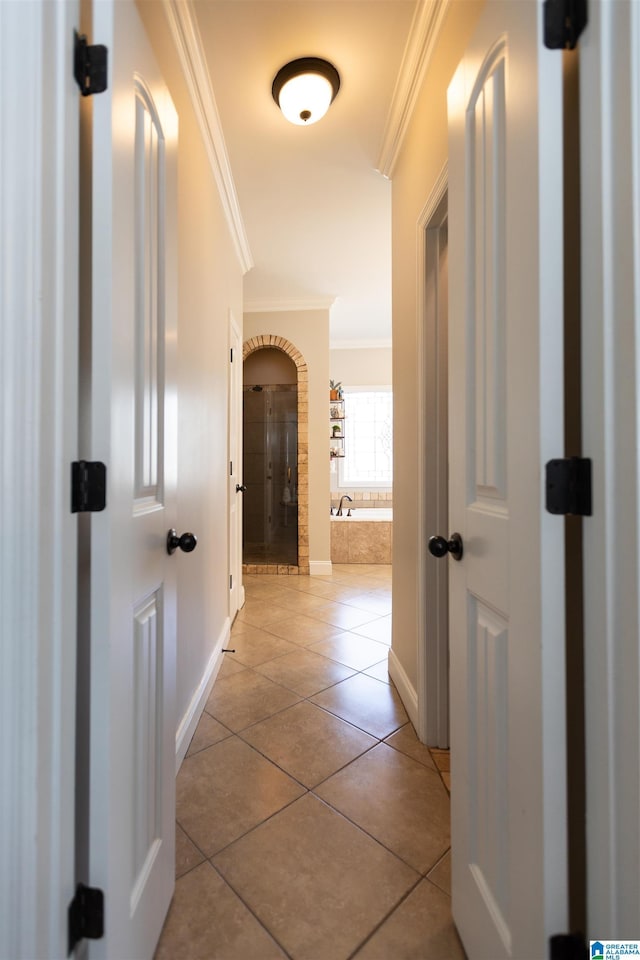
[[275, 458]]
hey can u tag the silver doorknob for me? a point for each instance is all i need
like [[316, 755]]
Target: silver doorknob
[[187, 542], [439, 547]]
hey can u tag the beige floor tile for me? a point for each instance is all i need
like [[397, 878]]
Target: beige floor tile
[[303, 630], [208, 921], [421, 928], [187, 854], [314, 880], [260, 612], [308, 743], [208, 732], [379, 671], [441, 873], [254, 645], [441, 758], [226, 790], [340, 615], [297, 601], [246, 698], [229, 666], [352, 650], [305, 672], [373, 706], [406, 741], [379, 630], [397, 800], [379, 604]]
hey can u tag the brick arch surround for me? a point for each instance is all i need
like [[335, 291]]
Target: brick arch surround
[[259, 343]]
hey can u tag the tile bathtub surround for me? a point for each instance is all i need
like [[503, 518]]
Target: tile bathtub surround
[[312, 823]]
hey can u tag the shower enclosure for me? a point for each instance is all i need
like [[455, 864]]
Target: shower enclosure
[[270, 462]]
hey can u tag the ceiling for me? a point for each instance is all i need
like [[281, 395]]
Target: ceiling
[[316, 212]]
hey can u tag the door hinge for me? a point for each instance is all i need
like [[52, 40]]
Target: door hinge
[[89, 66], [568, 486], [86, 915], [230, 581], [567, 946], [564, 21], [88, 486], [231, 354]]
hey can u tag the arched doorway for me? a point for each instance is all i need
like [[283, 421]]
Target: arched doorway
[[262, 342]]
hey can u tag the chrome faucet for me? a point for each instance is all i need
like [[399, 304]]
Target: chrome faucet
[[342, 499]]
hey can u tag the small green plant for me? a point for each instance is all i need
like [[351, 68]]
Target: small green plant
[[335, 384]]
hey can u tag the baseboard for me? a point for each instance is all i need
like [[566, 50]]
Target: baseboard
[[320, 568], [408, 693], [189, 722]]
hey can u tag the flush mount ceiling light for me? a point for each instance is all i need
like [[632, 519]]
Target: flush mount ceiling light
[[304, 89]]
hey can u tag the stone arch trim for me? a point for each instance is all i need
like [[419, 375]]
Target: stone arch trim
[[259, 343]]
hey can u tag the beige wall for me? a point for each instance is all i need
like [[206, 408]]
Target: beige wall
[[210, 284], [423, 156], [308, 330], [368, 367]]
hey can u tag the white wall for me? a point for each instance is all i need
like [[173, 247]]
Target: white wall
[[365, 367], [209, 285], [308, 330]]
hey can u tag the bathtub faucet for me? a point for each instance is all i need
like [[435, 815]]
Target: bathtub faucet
[[342, 499]]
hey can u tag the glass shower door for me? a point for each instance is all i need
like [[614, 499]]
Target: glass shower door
[[270, 503]]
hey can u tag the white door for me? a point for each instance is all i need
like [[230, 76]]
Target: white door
[[235, 468], [509, 884], [610, 177], [133, 430]]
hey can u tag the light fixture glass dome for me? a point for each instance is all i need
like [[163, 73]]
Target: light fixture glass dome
[[304, 89]]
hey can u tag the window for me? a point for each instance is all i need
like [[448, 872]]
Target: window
[[368, 460]]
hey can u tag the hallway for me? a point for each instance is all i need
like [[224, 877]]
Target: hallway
[[312, 824]]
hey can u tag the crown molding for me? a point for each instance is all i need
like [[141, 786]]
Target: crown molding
[[287, 306], [425, 30], [188, 43], [360, 344]]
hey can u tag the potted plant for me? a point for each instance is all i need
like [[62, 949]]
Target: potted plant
[[334, 389], [337, 430]]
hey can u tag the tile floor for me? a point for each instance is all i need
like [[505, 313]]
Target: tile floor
[[312, 823]]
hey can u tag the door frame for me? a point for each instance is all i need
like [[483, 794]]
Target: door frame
[[610, 212], [38, 351], [234, 456], [433, 498]]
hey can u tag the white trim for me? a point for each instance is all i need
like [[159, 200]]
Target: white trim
[[38, 367], [188, 43], [430, 725], [320, 568], [405, 688], [361, 344], [425, 31], [189, 722], [287, 306]]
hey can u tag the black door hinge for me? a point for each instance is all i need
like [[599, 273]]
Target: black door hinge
[[564, 21], [86, 915], [230, 581], [567, 946], [231, 354], [89, 66], [568, 486], [88, 486]]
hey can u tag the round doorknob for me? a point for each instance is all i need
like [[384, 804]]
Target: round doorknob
[[439, 547], [241, 487], [187, 542]]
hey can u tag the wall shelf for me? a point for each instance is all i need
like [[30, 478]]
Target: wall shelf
[[336, 429]]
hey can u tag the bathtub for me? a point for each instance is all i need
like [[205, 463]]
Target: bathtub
[[366, 514], [364, 537]]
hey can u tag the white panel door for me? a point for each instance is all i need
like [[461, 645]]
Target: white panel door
[[610, 176], [133, 580], [506, 411]]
